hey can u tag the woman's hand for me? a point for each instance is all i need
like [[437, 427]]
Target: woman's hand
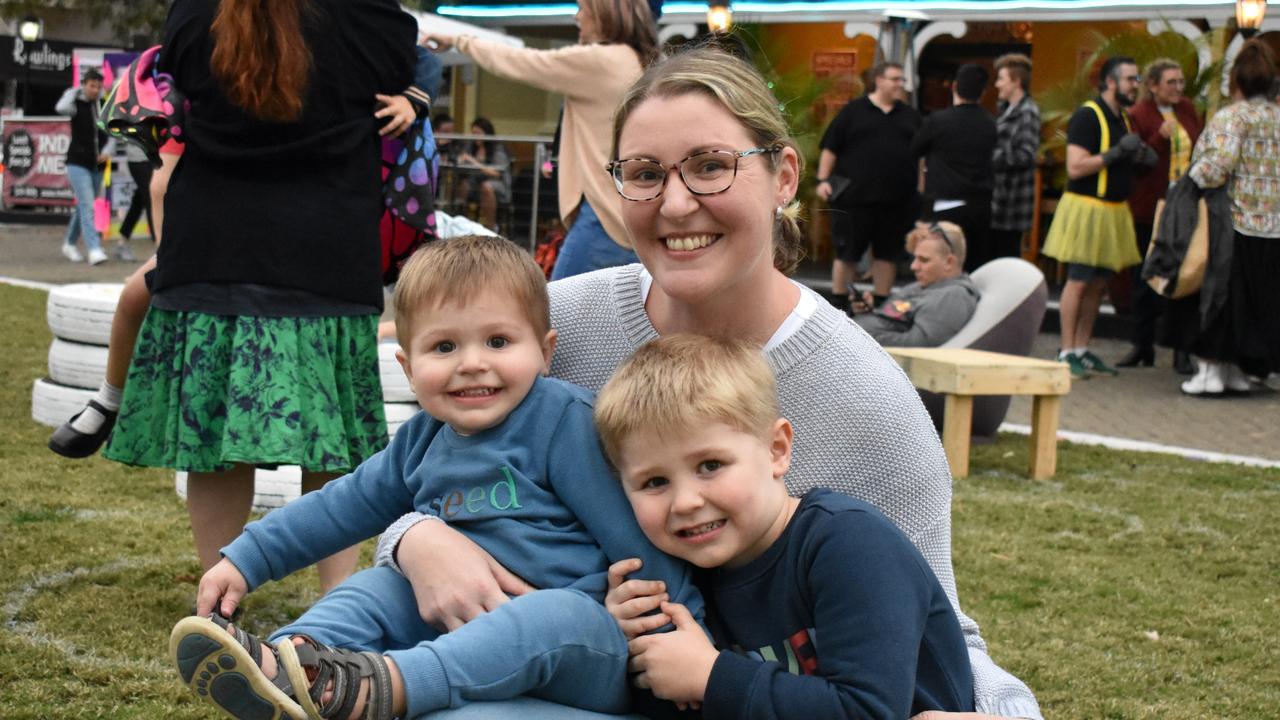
[[399, 113], [628, 600], [675, 665], [454, 580], [437, 42]]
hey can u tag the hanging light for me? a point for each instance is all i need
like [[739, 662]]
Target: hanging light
[[1249, 15], [30, 28], [719, 16]]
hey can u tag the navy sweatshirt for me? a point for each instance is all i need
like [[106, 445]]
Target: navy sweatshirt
[[841, 617]]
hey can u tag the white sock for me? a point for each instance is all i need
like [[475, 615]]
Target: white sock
[[90, 419], [109, 396], [1079, 351]]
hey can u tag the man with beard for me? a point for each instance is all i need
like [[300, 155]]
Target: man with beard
[[1092, 231]]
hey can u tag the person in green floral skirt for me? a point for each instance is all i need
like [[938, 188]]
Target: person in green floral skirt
[[260, 345]]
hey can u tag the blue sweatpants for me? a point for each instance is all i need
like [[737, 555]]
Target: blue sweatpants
[[558, 645]]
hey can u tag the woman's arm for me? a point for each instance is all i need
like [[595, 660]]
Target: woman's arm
[[1217, 152]]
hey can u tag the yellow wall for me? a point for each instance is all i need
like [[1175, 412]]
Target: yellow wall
[[1058, 48]]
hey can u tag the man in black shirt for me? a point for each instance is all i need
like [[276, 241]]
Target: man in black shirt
[[1092, 231], [956, 145], [866, 153]]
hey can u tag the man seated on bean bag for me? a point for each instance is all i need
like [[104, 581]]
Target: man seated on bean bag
[[929, 311]]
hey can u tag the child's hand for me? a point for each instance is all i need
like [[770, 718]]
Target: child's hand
[[222, 587], [628, 600], [674, 665], [399, 113]]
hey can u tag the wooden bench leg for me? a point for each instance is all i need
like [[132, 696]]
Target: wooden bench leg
[[957, 425], [1044, 435]]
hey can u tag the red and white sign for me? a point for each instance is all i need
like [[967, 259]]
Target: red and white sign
[[35, 162]]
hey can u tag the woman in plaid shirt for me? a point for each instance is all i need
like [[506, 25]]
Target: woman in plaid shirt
[[1013, 198]]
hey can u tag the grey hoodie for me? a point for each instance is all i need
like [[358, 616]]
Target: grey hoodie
[[916, 316]]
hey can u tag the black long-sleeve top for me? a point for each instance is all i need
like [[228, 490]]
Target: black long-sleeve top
[[957, 144], [281, 219]]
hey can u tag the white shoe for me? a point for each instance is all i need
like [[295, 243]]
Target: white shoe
[[1234, 379], [1208, 381], [72, 253], [97, 256]]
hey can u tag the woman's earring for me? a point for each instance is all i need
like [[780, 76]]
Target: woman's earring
[[777, 213]]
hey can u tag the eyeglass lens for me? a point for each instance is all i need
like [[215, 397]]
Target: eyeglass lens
[[704, 174]]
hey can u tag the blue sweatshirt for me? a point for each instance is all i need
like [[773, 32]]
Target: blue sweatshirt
[[535, 492], [840, 618]]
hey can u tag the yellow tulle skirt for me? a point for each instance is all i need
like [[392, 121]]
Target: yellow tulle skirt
[[1093, 232]]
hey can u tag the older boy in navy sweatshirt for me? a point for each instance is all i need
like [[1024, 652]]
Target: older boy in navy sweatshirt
[[820, 607]]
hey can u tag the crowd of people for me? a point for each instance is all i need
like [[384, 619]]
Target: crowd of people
[[721, 531]]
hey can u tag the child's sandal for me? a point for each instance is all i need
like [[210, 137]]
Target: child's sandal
[[223, 664], [346, 668]]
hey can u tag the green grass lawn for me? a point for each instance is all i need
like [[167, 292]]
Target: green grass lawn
[[1129, 586]]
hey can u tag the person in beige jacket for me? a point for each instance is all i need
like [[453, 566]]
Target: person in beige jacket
[[613, 47]]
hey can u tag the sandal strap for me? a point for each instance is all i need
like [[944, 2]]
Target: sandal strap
[[253, 646], [346, 668]]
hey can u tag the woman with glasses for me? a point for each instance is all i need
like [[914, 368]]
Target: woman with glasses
[[705, 176], [615, 41]]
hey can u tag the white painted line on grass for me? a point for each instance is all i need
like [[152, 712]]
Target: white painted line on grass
[[16, 601], [32, 284], [1116, 443]]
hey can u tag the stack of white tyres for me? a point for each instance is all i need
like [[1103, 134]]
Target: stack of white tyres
[[80, 317]]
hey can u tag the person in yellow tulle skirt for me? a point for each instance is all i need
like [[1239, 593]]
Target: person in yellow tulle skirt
[[1092, 230]]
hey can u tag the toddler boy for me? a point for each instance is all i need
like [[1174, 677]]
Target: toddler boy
[[505, 455], [821, 606]]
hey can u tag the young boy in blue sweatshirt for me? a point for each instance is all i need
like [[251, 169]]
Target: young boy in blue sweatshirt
[[820, 606], [508, 457]]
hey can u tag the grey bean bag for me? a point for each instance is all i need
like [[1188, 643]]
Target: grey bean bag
[[1006, 320]]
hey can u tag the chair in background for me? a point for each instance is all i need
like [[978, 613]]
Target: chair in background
[[1006, 320]]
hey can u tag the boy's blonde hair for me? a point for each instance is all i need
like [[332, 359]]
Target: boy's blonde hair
[[456, 270], [678, 382]]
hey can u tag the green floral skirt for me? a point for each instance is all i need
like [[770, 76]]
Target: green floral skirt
[[208, 391]]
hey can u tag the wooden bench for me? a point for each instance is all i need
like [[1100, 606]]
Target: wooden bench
[[960, 374]]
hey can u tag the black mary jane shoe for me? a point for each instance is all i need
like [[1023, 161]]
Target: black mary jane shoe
[[1182, 363], [70, 442], [1138, 357]]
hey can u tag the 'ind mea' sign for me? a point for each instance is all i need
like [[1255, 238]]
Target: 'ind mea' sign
[[35, 168]]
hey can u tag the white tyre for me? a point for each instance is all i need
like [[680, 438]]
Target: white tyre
[[53, 404], [271, 488], [77, 364], [82, 311], [395, 386], [398, 414]]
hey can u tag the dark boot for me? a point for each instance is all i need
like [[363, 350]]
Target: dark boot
[[1144, 356], [1182, 363]]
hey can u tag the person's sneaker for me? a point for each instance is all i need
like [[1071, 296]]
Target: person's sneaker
[[1095, 364], [96, 256], [1078, 369], [72, 253], [1208, 381], [124, 253], [1234, 380]]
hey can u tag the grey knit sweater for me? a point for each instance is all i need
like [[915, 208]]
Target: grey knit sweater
[[859, 429]]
